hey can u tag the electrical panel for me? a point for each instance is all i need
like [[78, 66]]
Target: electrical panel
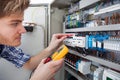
[[94, 50]]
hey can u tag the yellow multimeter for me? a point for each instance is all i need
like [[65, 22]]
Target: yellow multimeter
[[59, 54]]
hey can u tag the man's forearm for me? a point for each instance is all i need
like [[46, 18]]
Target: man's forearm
[[35, 60]]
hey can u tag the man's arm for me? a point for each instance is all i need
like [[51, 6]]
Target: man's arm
[[56, 42], [35, 60]]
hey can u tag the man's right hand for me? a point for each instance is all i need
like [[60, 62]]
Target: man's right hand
[[47, 71]]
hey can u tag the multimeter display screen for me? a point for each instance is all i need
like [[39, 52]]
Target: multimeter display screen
[[109, 78], [60, 49]]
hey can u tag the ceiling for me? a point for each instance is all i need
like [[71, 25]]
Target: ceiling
[[63, 3], [41, 1], [55, 3]]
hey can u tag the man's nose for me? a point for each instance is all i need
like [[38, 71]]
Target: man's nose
[[22, 29]]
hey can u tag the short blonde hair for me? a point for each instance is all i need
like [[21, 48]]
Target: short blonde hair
[[8, 7]]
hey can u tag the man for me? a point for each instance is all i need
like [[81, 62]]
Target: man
[[11, 29]]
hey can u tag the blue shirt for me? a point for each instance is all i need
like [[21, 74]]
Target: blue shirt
[[14, 55]]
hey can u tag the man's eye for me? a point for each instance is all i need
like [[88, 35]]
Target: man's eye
[[15, 24]]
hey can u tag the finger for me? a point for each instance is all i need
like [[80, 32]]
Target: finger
[[68, 35], [57, 62], [63, 38], [43, 60], [57, 68], [62, 34], [52, 78]]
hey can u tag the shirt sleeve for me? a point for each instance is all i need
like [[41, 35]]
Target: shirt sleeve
[[15, 56]]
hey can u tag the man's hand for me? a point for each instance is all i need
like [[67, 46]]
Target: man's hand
[[47, 71], [57, 41]]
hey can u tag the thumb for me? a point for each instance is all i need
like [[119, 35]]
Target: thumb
[[43, 61]]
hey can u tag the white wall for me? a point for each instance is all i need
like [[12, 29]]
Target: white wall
[[33, 42]]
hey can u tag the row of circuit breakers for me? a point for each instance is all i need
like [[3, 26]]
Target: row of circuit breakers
[[96, 42], [84, 67]]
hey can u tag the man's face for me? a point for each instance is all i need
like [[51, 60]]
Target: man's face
[[11, 29]]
